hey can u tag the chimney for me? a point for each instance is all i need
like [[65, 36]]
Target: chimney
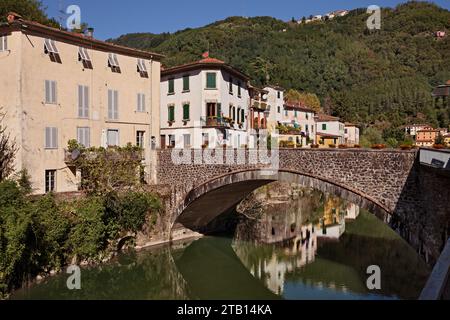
[[90, 32], [12, 16]]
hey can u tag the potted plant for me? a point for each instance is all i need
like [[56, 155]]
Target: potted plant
[[332, 146], [342, 146]]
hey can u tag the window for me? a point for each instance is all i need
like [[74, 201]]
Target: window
[[211, 80], [187, 140], [286, 113], [3, 43], [83, 56], [51, 49], [231, 85], [239, 89], [84, 136], [238, 115], [186, 111], [306, 128], [50, 92], [234, 113], [51, 138], [142, 68], [140, 138], [186, 83], [324, 126], [295, 113], [50, 181], [279, 95], [113, 105], [112, 137], [307, 116], [140, 102], [171, 113], [279, 109], [172, 140], [205, 138], [242, 116], [346, 131], [83, 101], [113, 63], [171, 86]]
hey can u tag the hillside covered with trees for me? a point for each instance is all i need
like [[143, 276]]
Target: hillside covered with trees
[[380, 78]]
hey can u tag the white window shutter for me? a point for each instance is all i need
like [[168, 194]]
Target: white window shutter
[[86, 101], [116, 105]]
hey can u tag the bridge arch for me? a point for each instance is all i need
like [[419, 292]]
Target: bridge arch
[[207, 201]]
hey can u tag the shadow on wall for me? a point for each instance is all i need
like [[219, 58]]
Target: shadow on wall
[[422, 214]]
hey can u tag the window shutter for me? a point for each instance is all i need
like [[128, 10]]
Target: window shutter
[[110, 106], [186, 112], [80, 101], [116, 105], [55, 138], [53, 87], [47, 138], [219, 110], [47, 91], [86, 101]]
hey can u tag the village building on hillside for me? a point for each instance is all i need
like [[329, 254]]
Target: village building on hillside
[[275, 101], [204, 103], [57, 86], [426, 137], [412, 129], [297, 124], [330, 131], [351, 134]]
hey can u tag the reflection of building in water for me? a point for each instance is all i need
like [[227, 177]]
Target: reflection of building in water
[[352, 211], [272, 265], [293, 219]]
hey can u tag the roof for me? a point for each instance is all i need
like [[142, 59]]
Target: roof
[[275, 87], [348, 124], [442, 90], [326, 118], [327, 135], [205, 63], [297, 106], [429, 130], [34, 28]]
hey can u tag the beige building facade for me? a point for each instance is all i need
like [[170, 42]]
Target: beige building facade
[[57, 86]]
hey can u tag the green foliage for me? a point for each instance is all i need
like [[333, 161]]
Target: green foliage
[[440, 140], [88, 237], [308, 99], [105, 170], [361, 76], [42, 234], [28, 9], [392, 142], [8, 150], [370, 137]]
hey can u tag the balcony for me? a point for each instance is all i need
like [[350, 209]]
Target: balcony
[[215, 122]]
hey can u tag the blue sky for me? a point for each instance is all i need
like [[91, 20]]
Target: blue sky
[[113, 18]]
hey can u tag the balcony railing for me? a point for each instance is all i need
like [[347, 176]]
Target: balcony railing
[[219, 122]]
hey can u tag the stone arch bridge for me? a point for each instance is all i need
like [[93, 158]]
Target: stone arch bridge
[[390, 183]]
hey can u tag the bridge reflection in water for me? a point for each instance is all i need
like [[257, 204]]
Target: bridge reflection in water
[[294, 244]]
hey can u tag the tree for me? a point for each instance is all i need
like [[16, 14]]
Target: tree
[[440, 139], [8, 150], [308, 99], [29, 9]]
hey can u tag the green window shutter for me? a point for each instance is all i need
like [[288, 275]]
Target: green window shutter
[[186, 112], [219, 110], [186, 83], [324, 126], [171, 113], [211, 80], [239, 89], [171, 86]]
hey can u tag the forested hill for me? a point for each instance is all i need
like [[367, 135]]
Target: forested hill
[[381, 77]]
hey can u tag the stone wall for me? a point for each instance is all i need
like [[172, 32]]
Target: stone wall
[[412, 198]]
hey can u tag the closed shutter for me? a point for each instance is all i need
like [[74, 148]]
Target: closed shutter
[[51, 138], [186, 112], [110, 104], [116, 105]]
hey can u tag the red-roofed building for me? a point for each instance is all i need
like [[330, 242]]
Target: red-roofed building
[[208, 95]]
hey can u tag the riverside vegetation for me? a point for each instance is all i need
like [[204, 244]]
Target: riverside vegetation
[[40, 235]]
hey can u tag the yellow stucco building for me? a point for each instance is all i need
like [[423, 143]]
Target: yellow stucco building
[[58, 85]]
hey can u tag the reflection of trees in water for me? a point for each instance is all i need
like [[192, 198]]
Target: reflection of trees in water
[[286, 211], [144, 275]]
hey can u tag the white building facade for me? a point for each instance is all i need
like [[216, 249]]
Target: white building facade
[[204, 104]]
